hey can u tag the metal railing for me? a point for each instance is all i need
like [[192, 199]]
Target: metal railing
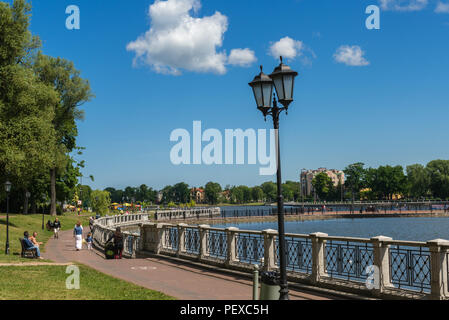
[[417, 268]]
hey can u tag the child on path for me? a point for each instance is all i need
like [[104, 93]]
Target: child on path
[[89, 241]]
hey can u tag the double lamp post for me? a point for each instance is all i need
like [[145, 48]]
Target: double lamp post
[[283, 79]]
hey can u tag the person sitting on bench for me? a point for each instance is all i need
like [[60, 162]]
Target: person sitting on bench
[[29, 245], [34, 241]]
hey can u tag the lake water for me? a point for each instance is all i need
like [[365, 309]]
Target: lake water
[[412, 229]]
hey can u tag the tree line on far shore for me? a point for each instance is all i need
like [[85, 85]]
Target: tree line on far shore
[[383, 183], [388, 182]]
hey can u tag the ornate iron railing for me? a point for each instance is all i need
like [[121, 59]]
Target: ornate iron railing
[[348, 259], [192, 240], [405, 265], [171, 239], [299, 254], [410, 267], [216, 244], [249, 247]]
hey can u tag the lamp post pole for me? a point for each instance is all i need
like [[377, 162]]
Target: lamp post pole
[[280, 203], [43, 217], [282, 79], [7, 224], [7, 189]]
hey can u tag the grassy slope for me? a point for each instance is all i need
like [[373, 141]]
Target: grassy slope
[[30, 223], [49, 283]]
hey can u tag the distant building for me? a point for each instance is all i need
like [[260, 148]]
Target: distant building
[[306, 177], [198, 195]]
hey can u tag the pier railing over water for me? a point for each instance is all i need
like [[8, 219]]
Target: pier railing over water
[[379, 266]]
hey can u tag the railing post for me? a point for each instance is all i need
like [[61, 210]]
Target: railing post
[[181, 238], [152, 237], [231, 255], [438, 268], [269, 249], [203, 240], [381, 260], [318, 255]]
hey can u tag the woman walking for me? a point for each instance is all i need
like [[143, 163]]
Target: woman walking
[[78, 235]]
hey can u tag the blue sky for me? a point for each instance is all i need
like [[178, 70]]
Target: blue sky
[[388, 106]]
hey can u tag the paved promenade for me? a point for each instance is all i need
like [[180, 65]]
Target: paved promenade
[[180, 280]]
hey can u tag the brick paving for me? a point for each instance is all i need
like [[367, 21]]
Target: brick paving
[[181, 280]]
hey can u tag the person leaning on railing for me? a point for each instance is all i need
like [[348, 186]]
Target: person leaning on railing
[[117, 236]]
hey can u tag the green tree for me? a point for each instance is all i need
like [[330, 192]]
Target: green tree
[[355, 177], [212, 192], [26, 133], [323, 185], [386, 181], [270, 191], [439, 178], [257, 193], [418, 180], [73, 92], [100, 201]]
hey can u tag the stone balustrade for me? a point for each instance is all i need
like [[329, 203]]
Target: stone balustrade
[[183, 214], [378, 267]]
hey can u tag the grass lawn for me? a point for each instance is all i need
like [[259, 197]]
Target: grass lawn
[[33, 222], [49, 283]]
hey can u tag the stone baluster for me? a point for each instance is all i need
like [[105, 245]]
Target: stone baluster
[[181, 238], [203, 240], [438, 268], [318, 256], [231, 255], [269, 259], [381, 256]]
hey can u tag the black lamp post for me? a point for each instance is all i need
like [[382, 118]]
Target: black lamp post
[[27, 196], [43, 214], [283, 79], [8, 190]]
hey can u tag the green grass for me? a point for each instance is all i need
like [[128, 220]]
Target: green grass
[[19, 223], [49, 283]]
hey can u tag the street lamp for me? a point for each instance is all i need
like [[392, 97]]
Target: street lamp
[[8, 190], [27, 196], [283, 79]]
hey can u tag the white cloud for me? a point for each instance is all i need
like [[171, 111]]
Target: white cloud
[[242, 57], [350, 56], [178, 41], [287, 48], [403, 5], [442, 7]]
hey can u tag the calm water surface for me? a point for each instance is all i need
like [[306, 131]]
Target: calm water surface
[[413, 229]]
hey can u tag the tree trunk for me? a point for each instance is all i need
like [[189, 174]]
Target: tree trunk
[[25, 203], [53, 191]]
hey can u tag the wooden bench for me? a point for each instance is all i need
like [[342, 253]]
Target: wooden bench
[[27, 253]]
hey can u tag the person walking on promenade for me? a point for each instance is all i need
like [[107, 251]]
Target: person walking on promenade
[[56, 228], [89, 241], [91, 223], [78, 235], [117, 236]]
